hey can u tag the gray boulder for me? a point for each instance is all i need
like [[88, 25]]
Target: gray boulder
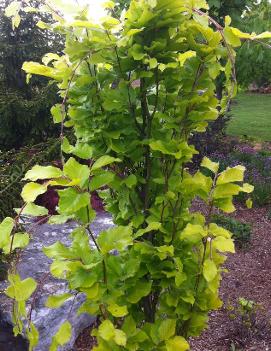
[[34, 263]]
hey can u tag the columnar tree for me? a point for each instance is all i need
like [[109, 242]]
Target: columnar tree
[[133, 92]]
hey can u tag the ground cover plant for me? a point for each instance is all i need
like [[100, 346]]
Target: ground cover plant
[[249, 320], [133, 91]]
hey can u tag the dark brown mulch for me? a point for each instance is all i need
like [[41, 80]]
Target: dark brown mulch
[[85, 342], [249, 276]]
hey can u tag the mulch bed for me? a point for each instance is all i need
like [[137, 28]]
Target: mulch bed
[[249, 277], [85, 342]]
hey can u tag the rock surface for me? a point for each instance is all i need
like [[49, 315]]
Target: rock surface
[[34, 263]]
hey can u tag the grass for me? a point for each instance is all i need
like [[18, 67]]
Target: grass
[[251, 116]]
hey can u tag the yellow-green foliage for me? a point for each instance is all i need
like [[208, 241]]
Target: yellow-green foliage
[[133, 91]]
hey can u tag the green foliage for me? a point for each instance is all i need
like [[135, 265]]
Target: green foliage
[[20, 291], [26, 121], [262, 193], [24, 108], [219, 9], [133, 92], [241, 231], [62, 336], [253, 58], [120, 6]]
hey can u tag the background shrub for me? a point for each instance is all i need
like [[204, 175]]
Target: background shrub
[[241, 231], [262, 194], [14, 164], [26, 121], [25, 107]]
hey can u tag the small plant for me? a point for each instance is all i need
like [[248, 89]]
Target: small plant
[[262, 194], [246, 157], [265, 153], [250, 322], [241, 231], [247, 310]]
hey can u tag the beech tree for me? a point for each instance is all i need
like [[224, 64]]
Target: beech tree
[[133, 91]]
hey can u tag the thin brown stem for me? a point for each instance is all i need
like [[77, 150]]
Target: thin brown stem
[[35, 295], [98, 248], [93, 238], [16, 221]]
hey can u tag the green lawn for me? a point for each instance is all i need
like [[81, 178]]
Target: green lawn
[[251, 116]]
